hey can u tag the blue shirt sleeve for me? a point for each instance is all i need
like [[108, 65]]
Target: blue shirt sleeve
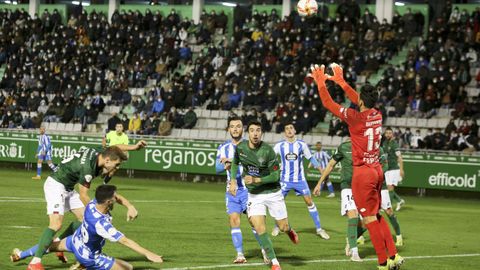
[[314, 162]]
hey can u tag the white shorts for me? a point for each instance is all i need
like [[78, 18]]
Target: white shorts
[[275, 203], [348, 204], [386, 203], [393, 177], [58, 199]]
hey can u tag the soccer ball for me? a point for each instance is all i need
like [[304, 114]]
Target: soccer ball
[[307, 7]]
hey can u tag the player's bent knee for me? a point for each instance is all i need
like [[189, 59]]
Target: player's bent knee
[[234, 220], [308, 200], [121, 265], [369, 219]]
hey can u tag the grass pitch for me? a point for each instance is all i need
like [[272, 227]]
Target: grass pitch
[[187, 224]]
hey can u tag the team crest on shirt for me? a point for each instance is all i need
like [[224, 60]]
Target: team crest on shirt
[[291, 156]]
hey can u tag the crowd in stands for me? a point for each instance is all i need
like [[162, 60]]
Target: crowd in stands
[[260, 67]]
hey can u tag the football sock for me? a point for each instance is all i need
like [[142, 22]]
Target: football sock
[[395, 225], [257, 237], [360, 231], [378, 241], [275, 262], [267, 246], [352, 232], [45, 241], [387, 236], [312, 209], [396, 196], [70, 229], [237, 239], [28, 252], [322, 185], [330, 187], [52, 166], [39, 169]]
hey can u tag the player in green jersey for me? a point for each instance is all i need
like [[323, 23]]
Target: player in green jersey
[[394, 173], [60, 195], [343, 154], [261, 174]]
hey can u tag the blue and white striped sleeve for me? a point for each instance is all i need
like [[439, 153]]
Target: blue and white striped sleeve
[[106, 230], [219, 168]]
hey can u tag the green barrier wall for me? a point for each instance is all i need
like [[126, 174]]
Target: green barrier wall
[[198, 157], [97, 9]]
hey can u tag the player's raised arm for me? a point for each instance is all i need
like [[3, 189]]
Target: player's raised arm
[[338, 78], [318, 74], [326, 172], [132, 212], [139, 145]]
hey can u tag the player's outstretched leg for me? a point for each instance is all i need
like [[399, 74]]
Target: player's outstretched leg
[[352, 250], [45, 241], [258, 222], [266, 260], [330, 190], [39, 170], [396, 226]]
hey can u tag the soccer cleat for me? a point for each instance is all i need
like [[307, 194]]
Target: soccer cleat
[[275, 231], [266, 260], [35, 266], [355, 257], [276, 267], [240, 259], [323, 234], [61, 257], [15, 255], [399, 205], [331, 195], [77, 266], [397, 262], [348, 252], [361, 240], [399, 241], [293, 236], [389, 266], [38, 177]]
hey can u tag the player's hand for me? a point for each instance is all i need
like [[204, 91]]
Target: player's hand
[[141, 144], [318, 74], [154, 257], [337, 73], [248, 179], [316, 190], [132, 213], [232, 189], [402, 174], [224, 160]]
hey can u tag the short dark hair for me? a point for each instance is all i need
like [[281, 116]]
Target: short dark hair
[[254, 123], [369, 95], [234, 118], [288, 123], [388, 128], [114, 153], [104, 192]]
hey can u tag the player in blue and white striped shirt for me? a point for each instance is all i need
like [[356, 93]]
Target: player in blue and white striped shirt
[[236, 197], [292, 176], [44, 153], [323, 158]]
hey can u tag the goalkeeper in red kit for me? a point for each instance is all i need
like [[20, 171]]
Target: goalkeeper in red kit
[[365, 128]]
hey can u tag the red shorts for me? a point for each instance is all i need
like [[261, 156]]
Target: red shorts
[[366, 189]]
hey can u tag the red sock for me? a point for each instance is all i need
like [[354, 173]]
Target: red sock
[[375, 231], [387, 236]]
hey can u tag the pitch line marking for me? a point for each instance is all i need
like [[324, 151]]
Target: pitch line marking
[[321, 261]]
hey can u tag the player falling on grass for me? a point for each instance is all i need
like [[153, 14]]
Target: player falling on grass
[[292, 177], [394, 173], [44, 153], [323, 158], [236, 196], [61, 196], [365, 127], [261, 174], [87, 241], [343, 154]]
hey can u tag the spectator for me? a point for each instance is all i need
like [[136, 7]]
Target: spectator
[[190, 119], [165, 127], [112, 122], [158, 105], [135, 124]]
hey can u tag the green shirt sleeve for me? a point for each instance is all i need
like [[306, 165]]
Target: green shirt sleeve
[[235, 163], [274, 169], [338, 155]]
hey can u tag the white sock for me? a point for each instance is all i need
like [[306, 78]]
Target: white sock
[[355, 250], [36, 260], [275, 262]]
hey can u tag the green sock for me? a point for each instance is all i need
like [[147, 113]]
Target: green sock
[[352, 232], [70, 229], [45, 241], [391, 193], [267, 245], [395, 225], [360, 231], [395, 195]]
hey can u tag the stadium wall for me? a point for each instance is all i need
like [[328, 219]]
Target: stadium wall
[[429, 171]]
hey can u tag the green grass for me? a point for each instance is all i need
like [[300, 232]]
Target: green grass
[[192, 234]]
